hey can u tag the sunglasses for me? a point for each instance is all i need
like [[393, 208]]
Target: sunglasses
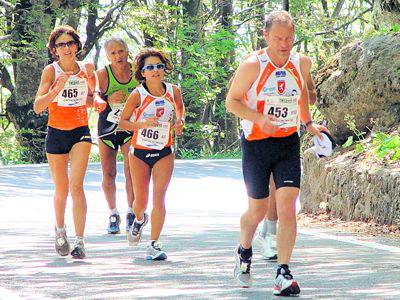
[[153, 67], [66, 44]]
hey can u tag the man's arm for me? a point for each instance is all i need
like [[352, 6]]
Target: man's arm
[[245, 76]]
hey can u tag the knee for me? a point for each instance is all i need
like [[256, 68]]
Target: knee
[[76, 189], [109, 176], [257, 214], [159, 205]]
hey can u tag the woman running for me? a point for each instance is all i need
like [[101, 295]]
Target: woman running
[[63, 90], [151, 107], [116, 83]]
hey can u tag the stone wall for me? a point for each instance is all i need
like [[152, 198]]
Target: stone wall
[[351, 188]]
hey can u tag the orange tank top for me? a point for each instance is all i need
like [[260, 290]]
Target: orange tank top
[[68, 110]]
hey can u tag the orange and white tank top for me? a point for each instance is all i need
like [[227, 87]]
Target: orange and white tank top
[[68, 110], [276, 92], [151, 106]]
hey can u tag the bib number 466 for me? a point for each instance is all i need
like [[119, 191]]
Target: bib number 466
[[150, 134]]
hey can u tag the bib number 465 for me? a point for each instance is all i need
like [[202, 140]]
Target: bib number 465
[[70, 93]]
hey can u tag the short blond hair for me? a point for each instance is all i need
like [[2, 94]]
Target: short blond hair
[[281, 17]]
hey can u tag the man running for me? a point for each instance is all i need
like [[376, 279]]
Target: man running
[[116, 83], [271, 82]]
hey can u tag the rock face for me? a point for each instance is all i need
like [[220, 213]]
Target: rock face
[[351, 189], [386, 12], [362, 80]]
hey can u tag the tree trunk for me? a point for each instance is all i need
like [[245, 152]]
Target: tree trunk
[[228, 123], [32, 22], [285, 5], [386, 13]]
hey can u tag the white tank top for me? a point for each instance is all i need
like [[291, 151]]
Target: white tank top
[[276, 92], [75, 91], [150, 106]]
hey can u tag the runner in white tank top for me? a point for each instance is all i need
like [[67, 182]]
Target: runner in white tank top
[[149, 112]]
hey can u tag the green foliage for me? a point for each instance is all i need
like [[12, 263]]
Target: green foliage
[[10, 151], [386, 146]]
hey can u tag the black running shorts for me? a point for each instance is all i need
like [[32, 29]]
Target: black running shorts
[[151, 157], [117, 139], [61, 141], [279, 156]]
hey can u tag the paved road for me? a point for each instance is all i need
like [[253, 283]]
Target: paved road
[[204, 203]]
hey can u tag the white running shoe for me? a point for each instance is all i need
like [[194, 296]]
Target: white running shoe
[[154, 252], [269, 248], [242, 270]]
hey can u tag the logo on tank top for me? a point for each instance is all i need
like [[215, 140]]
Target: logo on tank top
[[281, 86], [280, 73], [159, 112], [160, 102]]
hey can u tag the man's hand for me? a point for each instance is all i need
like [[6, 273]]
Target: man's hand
[[265, 122], [316, 129], [117, 97], [99, 104]]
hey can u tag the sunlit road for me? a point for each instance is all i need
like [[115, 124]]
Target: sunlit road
[[204, 203]]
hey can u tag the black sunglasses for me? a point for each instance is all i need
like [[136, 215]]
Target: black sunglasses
[[63, 45], [153, 67]]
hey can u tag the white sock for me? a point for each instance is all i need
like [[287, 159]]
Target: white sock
[[60, 229], [114, 211], [139, 222], [271, 227], [129, 210], [78, 239], [151, 242]]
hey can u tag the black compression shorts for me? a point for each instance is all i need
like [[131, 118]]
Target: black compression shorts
[[279, 156], [61, 141]]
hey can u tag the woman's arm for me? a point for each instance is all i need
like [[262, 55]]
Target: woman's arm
[[45, 94], [180, 110]]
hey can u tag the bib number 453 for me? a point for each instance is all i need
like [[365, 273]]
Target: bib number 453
[[279, 112]]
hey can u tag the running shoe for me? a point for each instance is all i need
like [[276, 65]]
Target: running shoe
[[135, 233], [130, 217], [113, 225], [79, 250], [154, 252], [269, 248], [61, 242], [284, 283], [242, 269]]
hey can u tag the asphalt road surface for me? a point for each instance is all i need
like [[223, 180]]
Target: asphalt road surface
[[204, 203]]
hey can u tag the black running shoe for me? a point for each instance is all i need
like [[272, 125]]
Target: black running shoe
[[130, 217], [113, 225], [284, 283], [79, 250], [135, 233], [242, 269]]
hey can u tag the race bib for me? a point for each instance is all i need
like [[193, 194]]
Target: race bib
[[74, 93], [284, 108], [115, 114], [154, 137]]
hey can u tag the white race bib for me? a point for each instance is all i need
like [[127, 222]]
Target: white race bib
[[154, 137], [284, 108], [74, 93], [115, 114]]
